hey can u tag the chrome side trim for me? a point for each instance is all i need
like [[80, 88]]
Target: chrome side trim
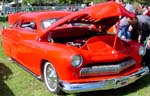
[[104, 85]]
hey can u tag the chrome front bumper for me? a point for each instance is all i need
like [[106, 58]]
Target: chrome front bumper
[[104, 85]]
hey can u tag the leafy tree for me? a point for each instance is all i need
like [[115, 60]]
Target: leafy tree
[[75, 1], [69, 1], [139, 1], [99, 1]]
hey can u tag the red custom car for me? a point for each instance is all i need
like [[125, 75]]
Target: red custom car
[[73, 51]]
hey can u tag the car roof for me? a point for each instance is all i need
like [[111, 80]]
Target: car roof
[[45, 14], [13, 17]]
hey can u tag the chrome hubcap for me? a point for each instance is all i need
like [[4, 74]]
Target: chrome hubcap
[[51, 77]]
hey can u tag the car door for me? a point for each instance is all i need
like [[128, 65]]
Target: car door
[[10, 38], [28, 44]]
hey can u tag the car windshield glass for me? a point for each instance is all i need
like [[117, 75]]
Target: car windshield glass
[[48, 22]]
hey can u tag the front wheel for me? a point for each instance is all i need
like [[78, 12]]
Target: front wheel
[[51, 78]]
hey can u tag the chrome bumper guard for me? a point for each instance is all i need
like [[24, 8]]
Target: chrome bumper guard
[[106, 84]]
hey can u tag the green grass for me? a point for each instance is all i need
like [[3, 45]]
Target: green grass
[[4, 18], [14, 81]]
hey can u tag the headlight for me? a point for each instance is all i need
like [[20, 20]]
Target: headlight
[[76, 60], [142, 51]]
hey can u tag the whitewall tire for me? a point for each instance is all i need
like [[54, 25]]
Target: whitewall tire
[[51, 78]]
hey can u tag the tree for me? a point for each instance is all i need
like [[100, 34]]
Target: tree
[[99, 1], [69, 1], [145, 2]]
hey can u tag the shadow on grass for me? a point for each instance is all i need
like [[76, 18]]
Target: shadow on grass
[[5, 72], [139, 84]]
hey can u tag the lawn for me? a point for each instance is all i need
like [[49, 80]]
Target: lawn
[[14, 81]]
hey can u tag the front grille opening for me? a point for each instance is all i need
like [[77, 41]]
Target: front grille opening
[[106, 69], [107, 63]]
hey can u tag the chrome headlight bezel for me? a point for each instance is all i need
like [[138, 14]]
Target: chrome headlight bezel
[[76, 60], [142, 51]]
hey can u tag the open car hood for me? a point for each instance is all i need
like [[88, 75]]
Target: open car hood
[[106, 10], [104, 13]]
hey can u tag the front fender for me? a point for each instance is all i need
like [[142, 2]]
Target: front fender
[[60, 56]]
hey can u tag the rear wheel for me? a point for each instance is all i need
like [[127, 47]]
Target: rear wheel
[[51, 78]]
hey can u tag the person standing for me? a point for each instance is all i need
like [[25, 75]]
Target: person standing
[[124, 30], [142, 24]]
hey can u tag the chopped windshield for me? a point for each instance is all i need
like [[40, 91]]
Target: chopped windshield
[[48, 22]]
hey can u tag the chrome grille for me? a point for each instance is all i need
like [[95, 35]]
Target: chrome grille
[[106, 69]]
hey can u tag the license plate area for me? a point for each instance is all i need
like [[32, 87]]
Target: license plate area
[[121, 82]]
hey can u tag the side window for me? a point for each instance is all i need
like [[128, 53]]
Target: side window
[[28, 24], [16, 24]]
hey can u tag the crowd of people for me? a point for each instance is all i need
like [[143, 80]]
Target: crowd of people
[[137, 28]]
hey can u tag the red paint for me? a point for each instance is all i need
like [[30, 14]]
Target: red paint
[[30, 47]]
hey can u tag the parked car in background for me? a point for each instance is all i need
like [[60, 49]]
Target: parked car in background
[[73, 51]]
